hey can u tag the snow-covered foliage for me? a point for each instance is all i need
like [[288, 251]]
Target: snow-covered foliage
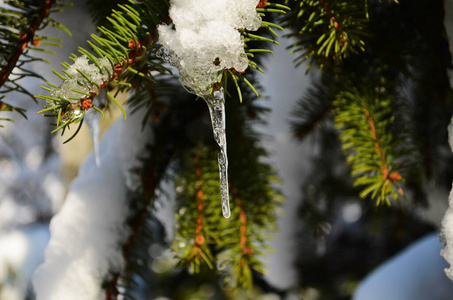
[[207, 40], [21, 250], [86, 235], [76, 81], [446, 234]]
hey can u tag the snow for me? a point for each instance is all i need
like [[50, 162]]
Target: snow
[[87, 233], [206, 39], [446, 235], [76, 81], [414, 274], [21, 250]]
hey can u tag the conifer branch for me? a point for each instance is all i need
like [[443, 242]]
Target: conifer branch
[[151, 174], [197, 233], [254, 43], [167, 125], [364, 123], [124, 59], [255, 200], [327, 31], [19, 36], [26, 36]]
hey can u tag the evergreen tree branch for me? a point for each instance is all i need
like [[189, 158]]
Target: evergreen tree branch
[[168, 142], [197, 231], [26, 36], [123, 59], [22, 20], [327, 31], [102, 9], [255, 201], [363, 120]]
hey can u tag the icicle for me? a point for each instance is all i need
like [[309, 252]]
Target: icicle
[[216, 106], [92, 118]]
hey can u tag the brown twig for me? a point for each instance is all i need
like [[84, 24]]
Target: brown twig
[[389, 178]]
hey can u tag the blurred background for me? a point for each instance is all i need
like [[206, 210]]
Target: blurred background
[[330, 244]]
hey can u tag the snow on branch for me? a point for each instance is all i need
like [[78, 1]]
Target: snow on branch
[[446, 234], [207, 40], [88, 233]]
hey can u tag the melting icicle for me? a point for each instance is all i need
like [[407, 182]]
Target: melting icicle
[[92, 119], [216, 106]]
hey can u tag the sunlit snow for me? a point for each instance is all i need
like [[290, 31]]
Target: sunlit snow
[[87, 233], [206, 39]]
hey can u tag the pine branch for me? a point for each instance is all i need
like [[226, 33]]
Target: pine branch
[[124, 59], [327, 31], [168, 139], [26, 36], [101, 9], [21, 22], [197, 231], [372, 151], [253, 44], [238, 242], [255, 200]]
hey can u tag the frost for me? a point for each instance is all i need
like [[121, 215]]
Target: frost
[[207, 40], [446, 234], [87, 233]]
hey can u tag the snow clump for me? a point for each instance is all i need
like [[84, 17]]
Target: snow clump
[[206, 39], [446, 234], [77, 81], [87, 234]]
